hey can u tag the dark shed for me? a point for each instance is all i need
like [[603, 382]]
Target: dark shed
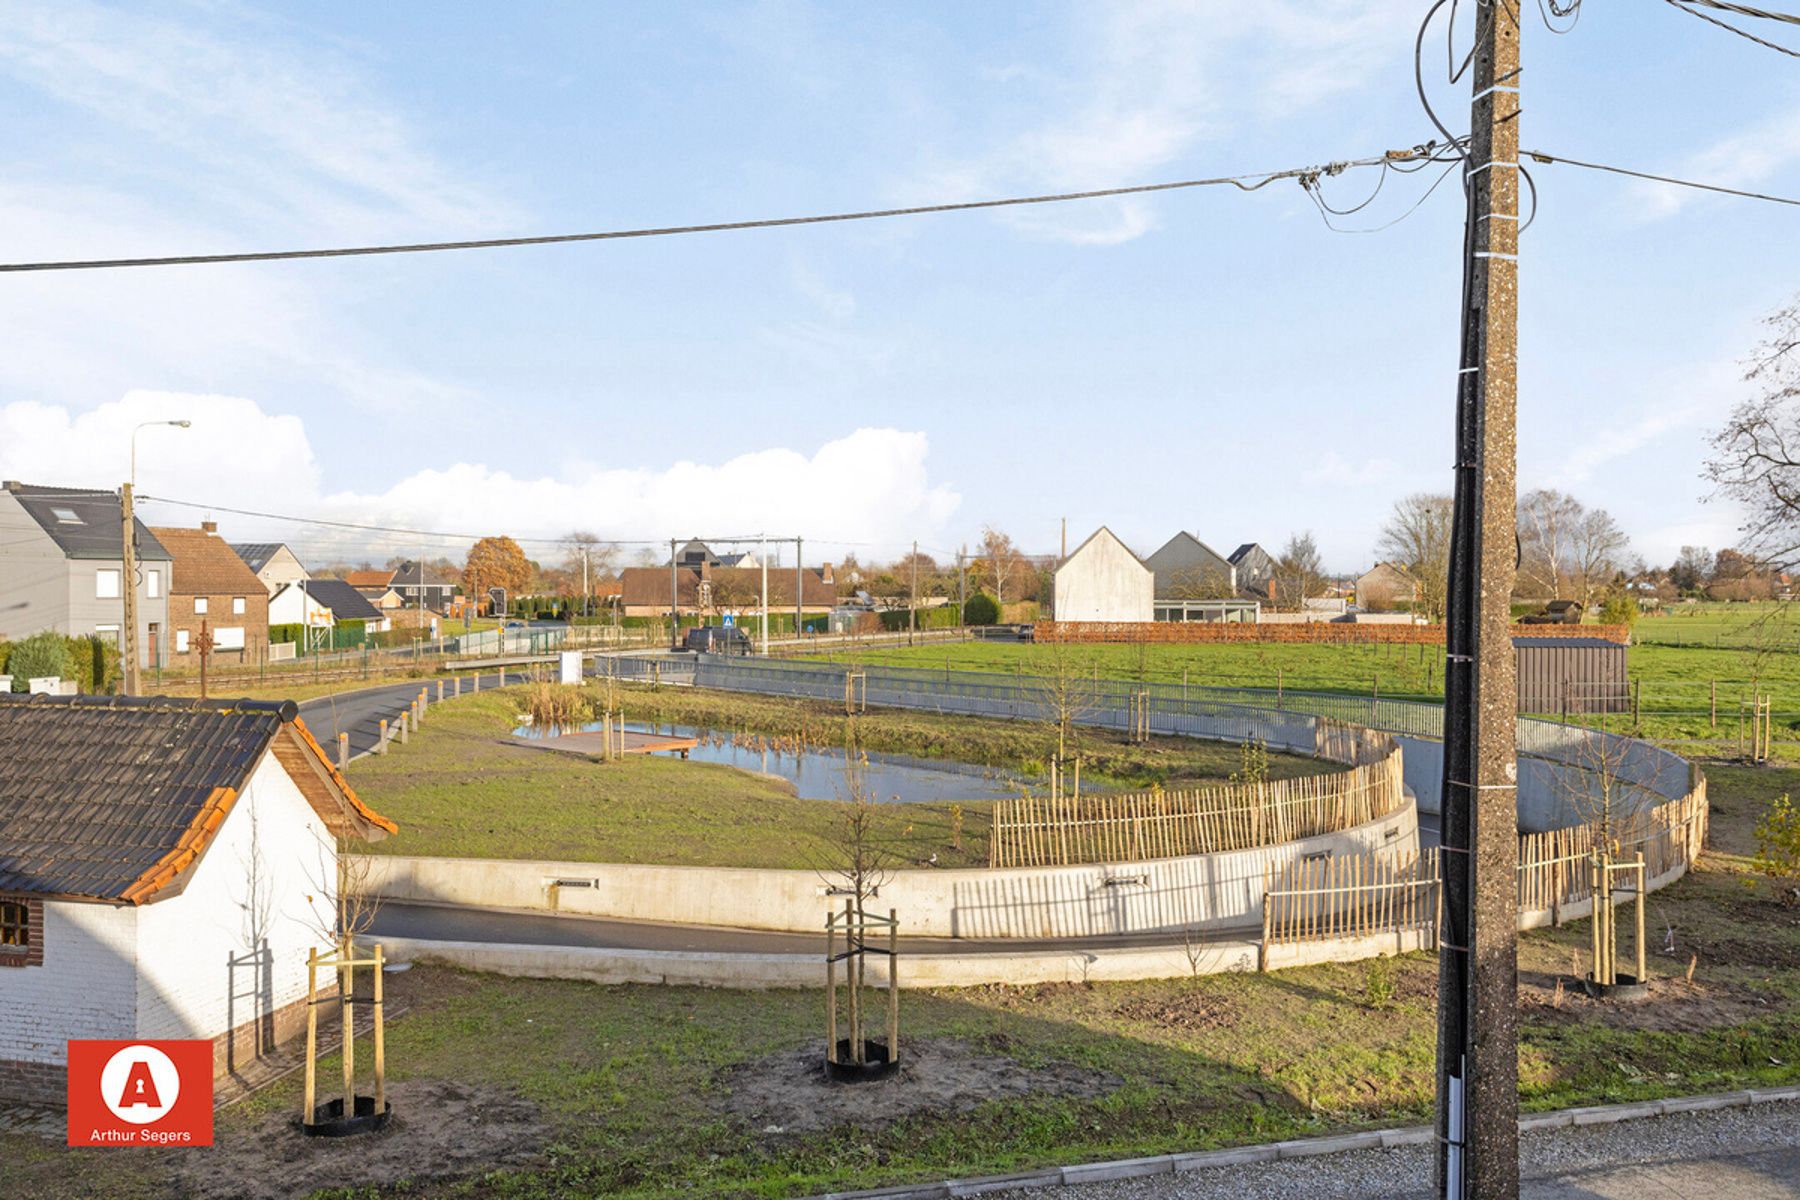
[[1571, 675]]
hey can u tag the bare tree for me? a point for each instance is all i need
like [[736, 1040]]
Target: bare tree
[[1547, 519], [1202, 581], [1001, 557], [1417, 538], [1066, 686], [1756, 456], [1599, 549], [1299, 574], [1690, 568]]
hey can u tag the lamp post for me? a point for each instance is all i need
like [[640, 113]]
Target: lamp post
[[128, 580]]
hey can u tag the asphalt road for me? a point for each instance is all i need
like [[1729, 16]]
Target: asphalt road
[[445, 923], [360, 713]]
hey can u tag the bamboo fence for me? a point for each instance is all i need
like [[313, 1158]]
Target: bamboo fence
[[1036, 831], [1374, 894]]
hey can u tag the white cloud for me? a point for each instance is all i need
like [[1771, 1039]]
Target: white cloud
[[1161, 77], [1333, 468], [870, 485]]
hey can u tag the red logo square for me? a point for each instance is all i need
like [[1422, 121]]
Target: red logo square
[[140, 1093]]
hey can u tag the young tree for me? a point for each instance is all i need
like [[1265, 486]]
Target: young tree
[[1417, 537], [1299, 574], [495, 562], [1000, 559], [1690, 569]]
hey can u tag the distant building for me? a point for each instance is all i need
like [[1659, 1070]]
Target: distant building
[[1384, 585], [705, 590], [61, 567], [210, 588], [1103, 580], [1186, 568], [418, 586], [1255, 568], [273, 563]]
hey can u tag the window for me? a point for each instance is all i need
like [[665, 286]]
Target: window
[[181, 640], [67, 516], [153, 584], [106, 583], [237, 606], [109, 633], [228, 637], [199, 606], [21, 933]]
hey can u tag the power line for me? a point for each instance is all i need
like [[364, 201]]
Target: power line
[[1728, 27], [1247, 183], [1746, 10], [1540, 156]]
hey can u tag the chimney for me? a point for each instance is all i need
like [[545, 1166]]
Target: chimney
[[825, 573], [209, 527]]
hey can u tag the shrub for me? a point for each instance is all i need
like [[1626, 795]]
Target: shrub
[[1778, 846], [1619, 607], [41, 654], [981, 610]]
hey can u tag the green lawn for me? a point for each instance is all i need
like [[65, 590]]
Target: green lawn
[[631, 1090], [462, 788]]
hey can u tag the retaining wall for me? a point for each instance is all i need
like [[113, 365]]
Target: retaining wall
[[1205, 892]]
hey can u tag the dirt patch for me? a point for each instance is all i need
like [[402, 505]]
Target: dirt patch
[[1186, 1014], [1673, 1005], [788, 1092], [439, 1130]]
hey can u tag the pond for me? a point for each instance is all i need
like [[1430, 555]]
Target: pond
[[818, 774]]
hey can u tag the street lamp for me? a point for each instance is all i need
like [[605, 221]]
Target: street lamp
[[134, 433]]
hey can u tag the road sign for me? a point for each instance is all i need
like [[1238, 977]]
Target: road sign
[[730, 620]]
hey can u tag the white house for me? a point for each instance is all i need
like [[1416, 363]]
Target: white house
[[189, 910], [273, 563], [1104, 581]]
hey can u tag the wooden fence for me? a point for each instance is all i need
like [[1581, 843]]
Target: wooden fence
[[1375, 894], [1033, 831]]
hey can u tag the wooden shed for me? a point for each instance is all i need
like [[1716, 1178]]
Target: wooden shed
[[1560, 675]]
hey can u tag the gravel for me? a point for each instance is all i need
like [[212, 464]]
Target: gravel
[[1738, 1152]]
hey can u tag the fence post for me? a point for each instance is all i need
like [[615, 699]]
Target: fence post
[[440, 684], [1713, 705], [343, 751], [1262, 949], [1636, 697], [382, 741]]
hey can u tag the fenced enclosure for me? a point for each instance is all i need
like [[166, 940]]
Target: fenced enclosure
[[1373, 895], [1066, 830]]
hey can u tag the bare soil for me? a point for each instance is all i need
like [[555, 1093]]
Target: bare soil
[[1673, 1005], [788, 1092], [439, 1129]]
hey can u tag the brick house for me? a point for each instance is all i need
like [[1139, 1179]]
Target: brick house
[[210, 584], [189, 910], [708, 590]]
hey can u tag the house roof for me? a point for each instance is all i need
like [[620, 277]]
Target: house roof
[[84, 523], [410, 573], [1109, 533], [116, 798], [256, 555], [374, 580], [649, 586], [344, 601], [1184, 534], [1243, 552], [206, 565], [1585, 642]]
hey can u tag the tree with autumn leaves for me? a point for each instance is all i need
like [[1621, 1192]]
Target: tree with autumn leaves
[[495, 562]]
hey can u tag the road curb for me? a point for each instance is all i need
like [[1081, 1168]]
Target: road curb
[[1337, 1143]]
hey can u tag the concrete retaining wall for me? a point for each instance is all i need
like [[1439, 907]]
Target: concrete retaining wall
[[1212, 891]]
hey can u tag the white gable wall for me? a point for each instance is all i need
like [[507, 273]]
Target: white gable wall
[[1103, 581], [86, 987], [199, 970]]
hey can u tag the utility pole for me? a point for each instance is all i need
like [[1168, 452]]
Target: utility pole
[[1477, 1068], [962, 582], [762, 556], [674, 600], [912, 611], [128, 588], [1064, 552], [798, 618]]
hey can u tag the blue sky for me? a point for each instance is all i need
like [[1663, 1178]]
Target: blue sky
[[1207, 360]]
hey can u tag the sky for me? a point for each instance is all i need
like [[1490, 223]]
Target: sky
[[1209, 360]]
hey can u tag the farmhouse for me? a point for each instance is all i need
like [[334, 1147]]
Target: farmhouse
[[210, 588], [1103, 581], [164, 867]]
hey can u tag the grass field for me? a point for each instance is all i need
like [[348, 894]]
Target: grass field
[[462, 788], [582, 1089]]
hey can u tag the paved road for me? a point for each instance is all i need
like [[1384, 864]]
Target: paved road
[[1733, 1154], [443, 923], [360, 713]]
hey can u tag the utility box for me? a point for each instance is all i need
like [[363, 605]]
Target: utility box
[[1571, 675], [571, 666]]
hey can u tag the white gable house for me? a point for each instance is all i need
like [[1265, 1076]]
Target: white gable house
[[189, 913], [1103, 581]]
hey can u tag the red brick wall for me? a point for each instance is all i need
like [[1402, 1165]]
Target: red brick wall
[[1318, 632]]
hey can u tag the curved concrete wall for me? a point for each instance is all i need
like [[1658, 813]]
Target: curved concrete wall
[[1202, 892]]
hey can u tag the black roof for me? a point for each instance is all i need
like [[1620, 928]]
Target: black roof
[[94, 531], [256, 554], [98, 791], [1238, 554], [409, 576], [1567, 641], [344, 601]]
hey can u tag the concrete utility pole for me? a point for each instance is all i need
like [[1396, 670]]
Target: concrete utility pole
[[128, 588], [798, 618], [962, 582], [674, 600], [1478, 1093], [762, 548], [912, 611]]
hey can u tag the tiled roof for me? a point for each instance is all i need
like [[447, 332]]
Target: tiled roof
[[115, 799], [256, 555], [369, 579], [95, 532], [344, 601], [206, 565], [641, 586]]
